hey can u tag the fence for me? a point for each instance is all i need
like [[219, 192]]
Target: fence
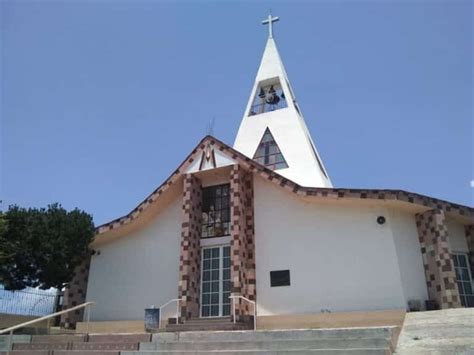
[[29, 302]]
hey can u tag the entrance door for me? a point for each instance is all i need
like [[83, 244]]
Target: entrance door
[[215, 281]]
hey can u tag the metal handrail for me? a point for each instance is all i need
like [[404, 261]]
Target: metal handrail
[[10, 330], [233, 297], [177, 300]]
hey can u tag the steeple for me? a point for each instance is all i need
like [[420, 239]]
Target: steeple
[[273, 118]]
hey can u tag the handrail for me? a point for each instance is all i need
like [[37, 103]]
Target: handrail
[[52, 315], [233, 297], [48, 317], [167, 303]]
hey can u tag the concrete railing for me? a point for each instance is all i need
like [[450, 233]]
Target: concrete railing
[[234, 297], [47, 318]]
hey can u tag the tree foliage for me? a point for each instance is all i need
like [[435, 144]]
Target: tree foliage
[[42, 247], [5, 251]]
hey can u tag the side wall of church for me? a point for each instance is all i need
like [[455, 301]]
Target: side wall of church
[[410, 261], [138, 270], [339, 258]]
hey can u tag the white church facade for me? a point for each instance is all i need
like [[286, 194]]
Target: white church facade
[[261, 221]]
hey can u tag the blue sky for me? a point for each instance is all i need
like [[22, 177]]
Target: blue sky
[[101, 100]]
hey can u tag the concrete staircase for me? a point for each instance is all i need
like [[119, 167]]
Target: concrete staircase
[[352, 341]]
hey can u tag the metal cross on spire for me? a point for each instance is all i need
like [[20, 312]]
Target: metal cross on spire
[[270, 21]]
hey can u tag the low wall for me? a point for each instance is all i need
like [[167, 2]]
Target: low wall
[[9, 320], [123, 326], [332, 320], [294, 321]]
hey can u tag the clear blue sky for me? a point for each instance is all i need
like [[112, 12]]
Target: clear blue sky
[[101, 100]]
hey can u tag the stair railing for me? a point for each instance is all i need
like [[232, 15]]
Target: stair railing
[[234, 297], [177, 300], [47, 318]]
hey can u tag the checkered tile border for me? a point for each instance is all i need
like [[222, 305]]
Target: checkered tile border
[[254, 167], [242, 244], [437, 259], [75, 294], [190, 255]]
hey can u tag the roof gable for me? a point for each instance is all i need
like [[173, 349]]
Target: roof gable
[[210, 158], [226, 155]]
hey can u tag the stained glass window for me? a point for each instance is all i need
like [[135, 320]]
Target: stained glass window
[[268, 153], [215, 211]]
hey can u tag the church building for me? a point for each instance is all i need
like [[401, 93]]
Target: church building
[[256, 232]]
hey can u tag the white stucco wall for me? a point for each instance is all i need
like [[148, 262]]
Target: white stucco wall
[[137, 270], [457, 236], [410, 260], [339, 258]]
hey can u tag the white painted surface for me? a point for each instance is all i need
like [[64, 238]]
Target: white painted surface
[[286, 125], [339, 258], [138, 270], [457, 236], [410, 260], [209, 242], [221, 160]]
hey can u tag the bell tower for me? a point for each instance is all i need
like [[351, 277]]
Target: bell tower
[[273, 130]]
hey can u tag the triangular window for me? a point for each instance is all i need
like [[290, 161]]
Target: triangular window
[[268, 97], [269, 154]]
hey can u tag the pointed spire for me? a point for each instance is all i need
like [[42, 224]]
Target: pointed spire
[[271, 64], [272, 107]]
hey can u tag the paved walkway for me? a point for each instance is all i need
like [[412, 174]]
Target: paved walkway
[[449, 331]]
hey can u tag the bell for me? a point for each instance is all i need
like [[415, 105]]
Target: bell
[[262, 94], [272, 98]]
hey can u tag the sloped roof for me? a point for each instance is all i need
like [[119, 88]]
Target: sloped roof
[[256, 168]]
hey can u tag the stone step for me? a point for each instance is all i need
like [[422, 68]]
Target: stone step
[[41, 346], [230, 352], [274, 345], [85, 352], [119, 338], [105, 346], [267, 352], [269, 335], [15, 339], [62, 352], [67, 338], [27, 352], [208, 320], [77, 346]]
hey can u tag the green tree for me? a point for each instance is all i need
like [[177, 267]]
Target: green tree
[[6, 251], [42, 247]]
